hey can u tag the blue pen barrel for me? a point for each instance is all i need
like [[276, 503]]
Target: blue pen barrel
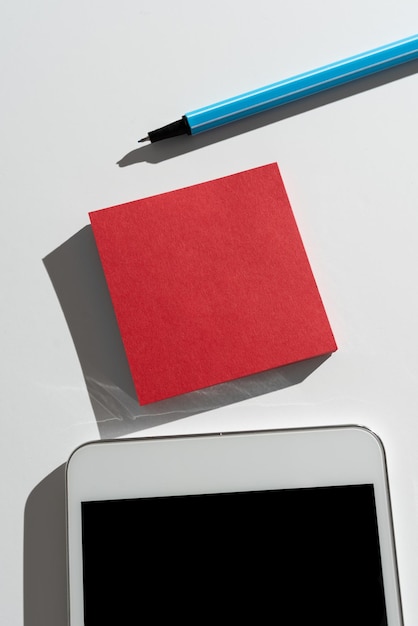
[[302, 85]]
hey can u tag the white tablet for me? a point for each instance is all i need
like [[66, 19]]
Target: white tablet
[[287, 527]]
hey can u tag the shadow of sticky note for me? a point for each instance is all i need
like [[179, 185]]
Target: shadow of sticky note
[[77, 276]]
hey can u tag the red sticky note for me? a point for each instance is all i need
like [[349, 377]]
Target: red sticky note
[[210, 283]]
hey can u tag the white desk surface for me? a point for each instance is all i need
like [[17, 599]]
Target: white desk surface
[[81, 83]]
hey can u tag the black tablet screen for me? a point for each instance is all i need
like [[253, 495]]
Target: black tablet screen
[[298, 556]]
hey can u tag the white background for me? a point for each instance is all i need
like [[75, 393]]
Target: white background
[[81, 83]]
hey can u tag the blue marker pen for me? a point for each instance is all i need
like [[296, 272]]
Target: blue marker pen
[[289, 90]]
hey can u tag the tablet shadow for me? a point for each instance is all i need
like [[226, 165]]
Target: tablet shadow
[[44, 553], [78, 279]]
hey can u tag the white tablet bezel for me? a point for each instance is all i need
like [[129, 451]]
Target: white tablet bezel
[[217, 463]]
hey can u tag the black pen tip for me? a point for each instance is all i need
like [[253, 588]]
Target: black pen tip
[[143, 139]]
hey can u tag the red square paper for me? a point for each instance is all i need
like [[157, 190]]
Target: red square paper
[[210, 283]]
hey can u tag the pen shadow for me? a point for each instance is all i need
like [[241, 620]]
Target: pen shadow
[[77, 276], [168, 149]]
